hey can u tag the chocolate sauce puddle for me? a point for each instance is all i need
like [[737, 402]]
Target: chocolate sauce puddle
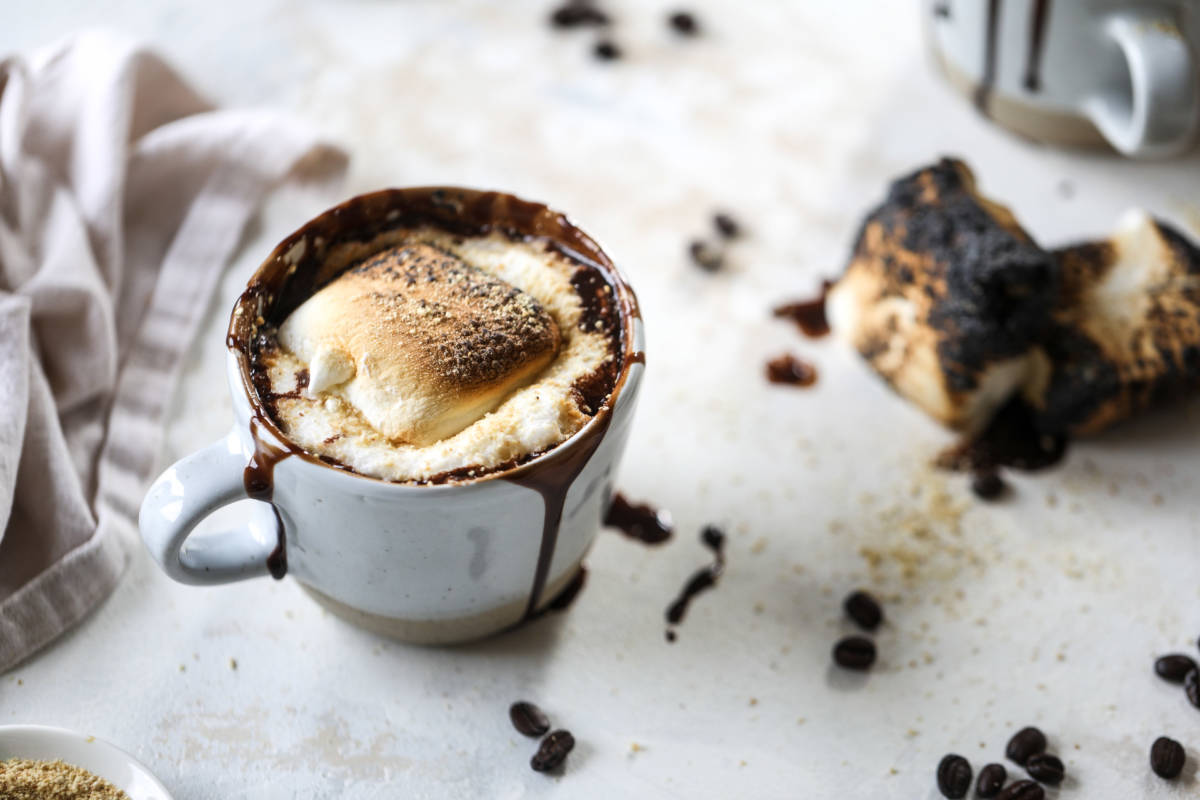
[[702, 580], [551, 476], [809, 315], [1012, 440], [787, 369], [1037, 39], [638, 521], [983, 93], [258, 479]]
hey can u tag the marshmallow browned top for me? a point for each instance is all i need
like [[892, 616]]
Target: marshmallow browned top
[[420, 342]]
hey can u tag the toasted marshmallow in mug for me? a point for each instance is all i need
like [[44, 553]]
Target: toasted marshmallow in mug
[[419, 342], [1126, 329], [437, 353], [945, 295]]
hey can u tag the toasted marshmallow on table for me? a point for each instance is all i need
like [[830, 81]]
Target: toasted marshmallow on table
[[945, 295], [421, 343], [1126, 328]]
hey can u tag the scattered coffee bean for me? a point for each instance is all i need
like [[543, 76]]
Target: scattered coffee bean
[[988, 485], [528, 718], [954, 776], [684, 23], [727, 226], [854, 652], [1167, 757], [577, 14], [864, 610], [1022, 790], [606, 50], [1191, 687], [1025, 743], [553, 751], [706, 256], [991, 780], [1174, 667], [1045, 768]]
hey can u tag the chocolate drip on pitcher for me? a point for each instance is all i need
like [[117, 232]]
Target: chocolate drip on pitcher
[[1037, 40], [983, 93]]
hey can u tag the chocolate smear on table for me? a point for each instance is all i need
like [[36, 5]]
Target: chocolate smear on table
[[809, 315], [792, 371], [726, 225], [606, 50], [578, 14], [553, 751], [639, 521], [528, 718], [702, 580]]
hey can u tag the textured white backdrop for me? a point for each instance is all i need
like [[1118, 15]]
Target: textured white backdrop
[[1047, 609]]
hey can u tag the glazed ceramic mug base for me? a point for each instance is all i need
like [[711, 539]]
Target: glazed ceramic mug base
[[461, 630], [1028, 120]]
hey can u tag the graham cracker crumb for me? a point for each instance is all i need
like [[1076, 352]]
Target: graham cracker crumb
[[24, 779]]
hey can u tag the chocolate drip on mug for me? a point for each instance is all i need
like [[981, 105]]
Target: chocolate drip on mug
[[551, 476], [983, 94], [1037, 41], [258, 479]]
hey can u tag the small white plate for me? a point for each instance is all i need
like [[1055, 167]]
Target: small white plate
[[122, 770]]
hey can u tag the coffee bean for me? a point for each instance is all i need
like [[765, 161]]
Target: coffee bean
[[528, 718], [1045, 768], [954, 776], [991, 780], [1191, 687], [726, 225], [684, 23], [988, 485], [553, 751], [1022, 790], [854, 652], [1167, 757], [863, 609], [606, 50], [1025, 743], [1174, 667], [577, 14], [707, 257]]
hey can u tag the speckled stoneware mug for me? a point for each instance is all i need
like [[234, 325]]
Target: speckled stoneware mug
[[434, 563], [1077, 72]]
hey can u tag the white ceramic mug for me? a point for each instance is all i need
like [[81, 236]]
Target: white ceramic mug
[[423, 563], [1078, 71]]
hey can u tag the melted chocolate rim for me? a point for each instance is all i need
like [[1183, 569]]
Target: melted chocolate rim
[[291, 273]]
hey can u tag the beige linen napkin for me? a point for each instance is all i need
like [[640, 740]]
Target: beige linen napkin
[[122, 196]]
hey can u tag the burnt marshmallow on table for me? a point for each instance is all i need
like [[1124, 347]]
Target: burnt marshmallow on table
[[945, 295], [956, 307]]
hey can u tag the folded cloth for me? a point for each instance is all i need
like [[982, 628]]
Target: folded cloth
[[122, 197]]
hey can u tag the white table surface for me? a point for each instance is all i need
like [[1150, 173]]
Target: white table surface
[[1046, 609]]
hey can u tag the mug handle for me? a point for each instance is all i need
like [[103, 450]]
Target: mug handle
[[187, 492], [1159, 115]]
